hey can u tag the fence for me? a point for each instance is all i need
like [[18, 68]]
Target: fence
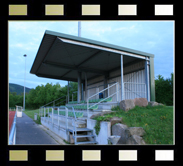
[[12, 134]]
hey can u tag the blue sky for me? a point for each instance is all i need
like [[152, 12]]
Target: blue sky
[[156, 37]]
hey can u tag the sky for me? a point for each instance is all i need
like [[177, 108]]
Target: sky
[[155, 37]]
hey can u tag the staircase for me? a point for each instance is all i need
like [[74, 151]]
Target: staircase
[[81, 134]]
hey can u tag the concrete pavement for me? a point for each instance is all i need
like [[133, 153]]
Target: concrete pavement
[[28, 132]]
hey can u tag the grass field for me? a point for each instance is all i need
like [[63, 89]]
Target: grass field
[[156, 121], [30, 113]]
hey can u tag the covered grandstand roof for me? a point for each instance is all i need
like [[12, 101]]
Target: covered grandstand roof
[[61, 56]]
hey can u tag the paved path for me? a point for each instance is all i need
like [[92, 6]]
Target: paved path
[[28, 132]]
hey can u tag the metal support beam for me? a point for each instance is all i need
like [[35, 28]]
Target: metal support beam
[[147, 78], [86, 93], [122, 84], [68, 92], [79, 87], [72, 67], [105, 86]]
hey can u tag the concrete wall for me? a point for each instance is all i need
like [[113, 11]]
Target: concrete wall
[[105, 131], [60, 132]]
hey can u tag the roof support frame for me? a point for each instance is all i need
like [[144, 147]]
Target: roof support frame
[[101, 48], [55, 64]]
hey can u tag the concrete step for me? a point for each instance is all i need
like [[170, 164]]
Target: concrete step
[[80, 136], [86, 142]]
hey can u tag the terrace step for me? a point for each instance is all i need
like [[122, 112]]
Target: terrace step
[[80, 136], [86, 142]]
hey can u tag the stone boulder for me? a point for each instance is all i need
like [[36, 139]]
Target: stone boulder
[[153, 103], [127, 104], [119, 129], [134, 131], [115, 120], [141, 102], [135, 140]]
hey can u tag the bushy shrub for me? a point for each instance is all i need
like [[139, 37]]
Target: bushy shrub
[[164, 90]]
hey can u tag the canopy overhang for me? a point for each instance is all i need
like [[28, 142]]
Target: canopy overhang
[[61, 56]]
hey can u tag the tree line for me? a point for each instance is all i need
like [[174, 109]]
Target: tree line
[[42, 95]]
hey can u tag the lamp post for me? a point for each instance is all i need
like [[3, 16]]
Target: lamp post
[[24, 83]]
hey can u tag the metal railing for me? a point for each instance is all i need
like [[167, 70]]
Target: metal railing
[[66, 116], [115, 93], [12, 134]]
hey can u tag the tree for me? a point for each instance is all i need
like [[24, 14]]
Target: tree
[[164, 90]]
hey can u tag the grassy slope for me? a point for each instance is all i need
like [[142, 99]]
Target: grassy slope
[[156, 121]]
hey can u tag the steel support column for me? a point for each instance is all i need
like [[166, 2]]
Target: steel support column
[[79, 87], [105, 86], [147, 78], [68, 92], [122, 84], [86, 93]]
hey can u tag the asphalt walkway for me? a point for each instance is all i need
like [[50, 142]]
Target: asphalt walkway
[[28, 132]]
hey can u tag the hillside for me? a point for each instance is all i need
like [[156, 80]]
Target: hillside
[[18, 88]]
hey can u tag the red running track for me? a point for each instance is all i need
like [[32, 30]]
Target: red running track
[[11, 118]]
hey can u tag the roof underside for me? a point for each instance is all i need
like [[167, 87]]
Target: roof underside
[[61, 56]]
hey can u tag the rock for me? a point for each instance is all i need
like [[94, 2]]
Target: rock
[[141, 102], [115, 120], [135, 139], [152, 103], [119, 129], [160, 104], [135, 131], [126, 104], [100, 114], [114, 139]]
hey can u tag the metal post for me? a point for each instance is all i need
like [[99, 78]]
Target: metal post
[[68, 92], [44, 111], [105, 86], [82, 91], [87, 109], [52, 116], [86, 94], [66, 114], [58, 117], [147, 78], [117, 92], [122, 84], [24, 82], [108, 90], [79, 86]]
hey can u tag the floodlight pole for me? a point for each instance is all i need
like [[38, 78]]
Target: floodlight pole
[[24, 83]]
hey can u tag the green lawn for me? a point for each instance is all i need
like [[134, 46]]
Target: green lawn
[[30, 113], [157, 122]]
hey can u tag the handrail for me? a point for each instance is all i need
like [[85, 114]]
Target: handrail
[[102, 91], [13, 131], [102, 99], [52, 101], [66, 108]]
